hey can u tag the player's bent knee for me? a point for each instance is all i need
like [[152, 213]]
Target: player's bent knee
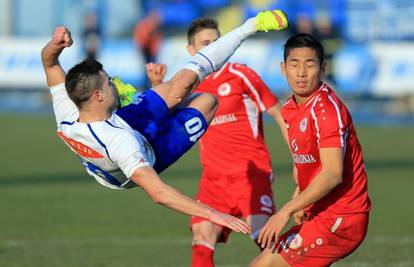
[[207, 104], [183, 83], [205, 231], [174, 91], [204, 235], [209, 101]]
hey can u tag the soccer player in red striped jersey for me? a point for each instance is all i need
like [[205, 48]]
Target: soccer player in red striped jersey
[[237, 175], [330, 204]]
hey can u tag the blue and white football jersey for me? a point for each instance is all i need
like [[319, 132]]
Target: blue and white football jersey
[[110, 150]]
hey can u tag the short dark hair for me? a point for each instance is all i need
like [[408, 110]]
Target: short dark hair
[[82, 79], [304, 40], [198, 25]]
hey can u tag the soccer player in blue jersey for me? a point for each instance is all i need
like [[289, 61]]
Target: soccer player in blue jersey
[[129, 146]]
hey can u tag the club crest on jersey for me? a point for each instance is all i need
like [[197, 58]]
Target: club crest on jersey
[[224, 89], [303, 125]]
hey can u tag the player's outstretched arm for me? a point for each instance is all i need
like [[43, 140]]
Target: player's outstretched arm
[[50, 55], [300, 216], [165, 195], [324, 182]]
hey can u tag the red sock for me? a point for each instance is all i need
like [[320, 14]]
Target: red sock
[[202, 256]]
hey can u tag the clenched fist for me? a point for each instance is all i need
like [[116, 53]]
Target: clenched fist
[[62, 37]]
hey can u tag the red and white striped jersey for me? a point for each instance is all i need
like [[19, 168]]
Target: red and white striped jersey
[[234, 141], [324, 121]]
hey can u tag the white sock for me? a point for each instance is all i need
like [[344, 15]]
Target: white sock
[[213, 56]]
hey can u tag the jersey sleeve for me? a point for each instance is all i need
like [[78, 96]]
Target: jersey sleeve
[[255, 86], [127, 153], [64, 108], [329, 123]]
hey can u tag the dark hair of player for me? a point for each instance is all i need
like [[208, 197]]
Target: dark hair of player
[[304, 40], [82, 79], [199, 25]]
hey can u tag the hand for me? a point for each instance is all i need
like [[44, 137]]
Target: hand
[[62, 37], [271, 231], [299, 217], [156, 72], [229, 221]]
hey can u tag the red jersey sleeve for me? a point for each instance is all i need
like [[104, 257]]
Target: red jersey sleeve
[[329, 122], [254, 86]]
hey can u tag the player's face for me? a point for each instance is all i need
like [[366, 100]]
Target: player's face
[[202, 39], [303, 72], [109, 92]]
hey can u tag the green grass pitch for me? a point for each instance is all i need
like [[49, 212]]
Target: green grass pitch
[[53, 214]]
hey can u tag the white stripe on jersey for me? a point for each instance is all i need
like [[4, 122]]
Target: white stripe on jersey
[[314, 118], [252, 114], [310, 101], [341, 125], [250, 85], [320, 88]]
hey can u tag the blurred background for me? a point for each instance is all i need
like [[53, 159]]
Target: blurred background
[[369, 44], [53, 214]]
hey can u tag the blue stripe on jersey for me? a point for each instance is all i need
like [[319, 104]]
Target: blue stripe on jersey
[[99, 141], [101, 173], [211, 64], [67, 122], [113, 125]]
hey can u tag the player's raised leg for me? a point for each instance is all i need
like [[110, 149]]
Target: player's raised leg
[[186, 125], [212, 57], [205, 103], [206, 61], [183, 129]]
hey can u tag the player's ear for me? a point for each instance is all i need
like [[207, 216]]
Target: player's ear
[[191, 49], [283, 68], [98, 95]]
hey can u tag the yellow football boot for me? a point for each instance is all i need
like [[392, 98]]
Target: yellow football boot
[[271, 20], [126, 92]]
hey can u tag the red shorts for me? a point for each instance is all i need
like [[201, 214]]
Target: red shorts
[[240, 195], [322, 241]]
